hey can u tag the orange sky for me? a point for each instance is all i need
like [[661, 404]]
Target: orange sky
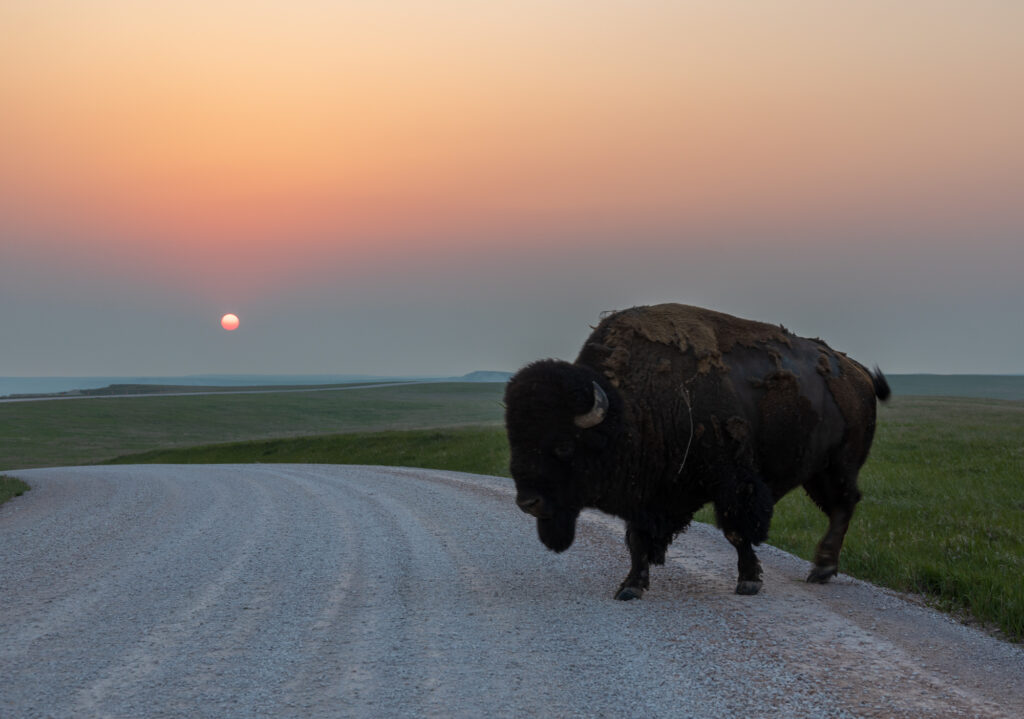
[[213, 118], [286, 137]]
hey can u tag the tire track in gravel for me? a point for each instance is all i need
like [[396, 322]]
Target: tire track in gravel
[[323, 591], [81, 553]]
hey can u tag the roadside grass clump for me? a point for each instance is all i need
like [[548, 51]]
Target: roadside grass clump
[[11, 487]]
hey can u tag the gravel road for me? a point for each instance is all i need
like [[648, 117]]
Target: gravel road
[[335, 591]]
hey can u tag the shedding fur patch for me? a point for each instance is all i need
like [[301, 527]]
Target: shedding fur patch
[[705, 333]]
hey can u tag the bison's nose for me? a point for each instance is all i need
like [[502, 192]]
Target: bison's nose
[[532, 504]]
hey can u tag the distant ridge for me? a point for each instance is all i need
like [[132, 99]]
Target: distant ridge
[[485, 376], [20, 388], [1006, 387], [987, 386]]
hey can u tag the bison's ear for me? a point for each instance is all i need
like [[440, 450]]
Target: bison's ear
[[597, 413]]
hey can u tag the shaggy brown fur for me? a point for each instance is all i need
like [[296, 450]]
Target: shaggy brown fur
[[704, 333]]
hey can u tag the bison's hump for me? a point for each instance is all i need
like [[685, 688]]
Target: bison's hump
[[705, 333]]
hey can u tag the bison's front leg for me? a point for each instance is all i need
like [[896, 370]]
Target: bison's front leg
[[749, 566], [644, 550], [743, 508]]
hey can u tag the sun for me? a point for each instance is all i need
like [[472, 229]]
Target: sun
[[229, 322]]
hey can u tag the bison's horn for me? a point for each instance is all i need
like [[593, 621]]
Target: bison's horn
[[596, 414]]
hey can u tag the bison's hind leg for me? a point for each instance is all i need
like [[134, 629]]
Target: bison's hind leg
[[743, 510], [837, 495]]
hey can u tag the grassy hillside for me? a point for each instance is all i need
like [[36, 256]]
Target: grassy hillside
[[84, 431]]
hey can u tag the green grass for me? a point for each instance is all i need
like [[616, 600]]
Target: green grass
[[87, 431], [11, 487]]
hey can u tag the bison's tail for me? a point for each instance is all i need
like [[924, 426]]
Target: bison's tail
[[882, 390]]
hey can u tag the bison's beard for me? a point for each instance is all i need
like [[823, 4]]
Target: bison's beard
[[558, 531]]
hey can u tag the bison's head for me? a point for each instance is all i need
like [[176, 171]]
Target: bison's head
[[560, 418]]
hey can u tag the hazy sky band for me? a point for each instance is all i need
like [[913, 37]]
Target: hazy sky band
[[500, 173]]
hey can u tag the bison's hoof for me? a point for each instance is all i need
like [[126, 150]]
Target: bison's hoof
[[626, 593], [747, 586], [820, 575]]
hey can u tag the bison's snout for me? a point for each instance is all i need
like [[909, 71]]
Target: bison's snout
[[535, 505]]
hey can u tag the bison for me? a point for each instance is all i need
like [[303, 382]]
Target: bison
[[669, 407]]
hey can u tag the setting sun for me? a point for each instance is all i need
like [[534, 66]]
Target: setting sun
[[229, 322]]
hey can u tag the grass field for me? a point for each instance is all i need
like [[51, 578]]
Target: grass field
[[85, 431], [942, 514]]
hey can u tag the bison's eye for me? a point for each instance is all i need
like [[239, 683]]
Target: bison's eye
[[564, 450]]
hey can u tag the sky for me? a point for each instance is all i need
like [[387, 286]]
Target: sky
[[433, 187]]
